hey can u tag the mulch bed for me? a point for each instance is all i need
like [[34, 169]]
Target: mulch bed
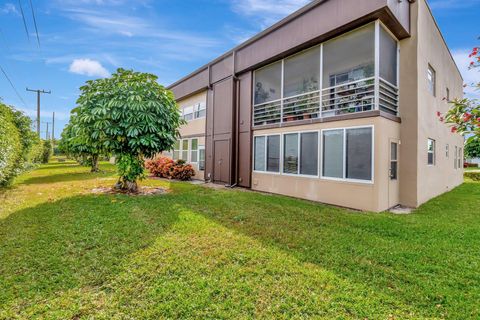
[[142, 191]]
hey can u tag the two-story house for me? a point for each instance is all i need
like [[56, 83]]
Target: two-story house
[[336, 103]]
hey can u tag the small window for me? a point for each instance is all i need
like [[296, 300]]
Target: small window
[[460, 158], [184, 155], [201, 158], [431, 79], [200, 110], [448, 95], [188, 113], [194, 151], [393, 161], [176, 150], [455, 161], [431, 152], [447, 151]]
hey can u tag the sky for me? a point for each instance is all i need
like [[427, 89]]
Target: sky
[[80, 40]]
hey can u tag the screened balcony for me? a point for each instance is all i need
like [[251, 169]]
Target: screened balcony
[[356, 72]]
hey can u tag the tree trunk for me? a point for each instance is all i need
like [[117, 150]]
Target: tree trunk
[[127, 186], [95, 163]]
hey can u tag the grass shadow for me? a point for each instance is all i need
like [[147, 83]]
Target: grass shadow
[[425, 261], [74, 243]]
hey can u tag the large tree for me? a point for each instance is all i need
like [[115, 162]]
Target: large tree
[[77, 142], [131, 116]]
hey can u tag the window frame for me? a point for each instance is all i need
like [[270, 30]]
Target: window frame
[[299, 142], [345, 179], [266, 154], [394, 161], [201, 147], [461, 158], [319, 175], [431, 69], [455, 161], [434, 152], [191, 150]]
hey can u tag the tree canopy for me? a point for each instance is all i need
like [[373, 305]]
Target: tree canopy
[[128, 115]]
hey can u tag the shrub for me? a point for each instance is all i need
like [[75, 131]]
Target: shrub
[[182, 171], [475, 176], [158, 166], [165, 167], [10, 146], [47, 151]]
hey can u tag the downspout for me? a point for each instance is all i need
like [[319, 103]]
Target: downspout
[[236, 85]]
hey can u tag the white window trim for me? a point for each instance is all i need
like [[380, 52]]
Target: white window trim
[[320, 155], [190, 150], [345, 179], [265, 152], [434, 152]]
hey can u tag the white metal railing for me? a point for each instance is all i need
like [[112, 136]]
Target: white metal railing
[[352, 97], [388, 97], [355, 96]]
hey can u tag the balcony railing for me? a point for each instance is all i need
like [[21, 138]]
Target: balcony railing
[[353, 97]]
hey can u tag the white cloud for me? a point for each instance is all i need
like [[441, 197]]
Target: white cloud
[[9, 8], [268, 11], [453, 4], [470, 76], [88, 67]]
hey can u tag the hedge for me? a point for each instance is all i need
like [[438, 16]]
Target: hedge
[[20, 147], [475, 176], [10, 146]]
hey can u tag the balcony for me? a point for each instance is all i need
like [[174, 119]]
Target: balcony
[[354, 73]]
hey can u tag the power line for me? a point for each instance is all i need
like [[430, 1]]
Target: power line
[[13, 86], [35, 23], [23, 17]]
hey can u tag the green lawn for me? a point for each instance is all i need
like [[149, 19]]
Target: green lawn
[[202, 253]]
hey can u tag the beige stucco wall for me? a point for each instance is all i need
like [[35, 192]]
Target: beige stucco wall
[[363, 196], [435, 180], [194, 127]]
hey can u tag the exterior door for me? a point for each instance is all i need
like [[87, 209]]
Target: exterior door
[[393, 176], [222, 161]]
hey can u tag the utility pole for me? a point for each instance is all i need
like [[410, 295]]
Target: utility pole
[[46, 133], [53, 131], [39, 92]]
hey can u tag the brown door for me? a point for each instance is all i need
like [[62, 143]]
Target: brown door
[[222, 161]]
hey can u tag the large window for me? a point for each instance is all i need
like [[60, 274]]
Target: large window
[[186, 150], [300, 154], [431, 80], [290, 153], [350, 57], [348, 154], [346, 81], [273, 154], [431, 152], [302, 73], [267, 153], [200, 110], [388, 57], [268, 83], [333, 153], [196, 111]]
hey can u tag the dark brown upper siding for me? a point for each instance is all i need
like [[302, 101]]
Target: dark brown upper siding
[[316, 22]]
